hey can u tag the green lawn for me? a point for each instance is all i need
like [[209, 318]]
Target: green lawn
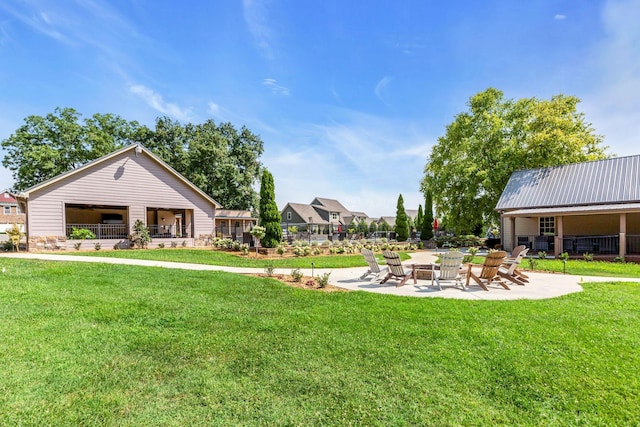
[[219, 257], [93, 344]]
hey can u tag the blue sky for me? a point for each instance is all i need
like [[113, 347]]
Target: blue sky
[[348, 96]]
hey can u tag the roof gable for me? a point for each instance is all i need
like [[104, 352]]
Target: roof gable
[[615, 180], [139, 150], [331, 205]]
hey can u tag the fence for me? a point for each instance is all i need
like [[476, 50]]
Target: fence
[[102, 231]]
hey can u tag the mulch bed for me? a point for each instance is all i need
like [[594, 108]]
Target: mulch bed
[[306, 282]]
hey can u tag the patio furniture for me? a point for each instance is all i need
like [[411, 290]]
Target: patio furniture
[[396, 269], [374, 267], [509, 268], [449, 271], [489, 271]]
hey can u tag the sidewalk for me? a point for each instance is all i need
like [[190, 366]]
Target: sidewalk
[[541, 286]]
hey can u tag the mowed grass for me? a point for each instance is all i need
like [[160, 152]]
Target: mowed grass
[[225, 258], [94, 344]]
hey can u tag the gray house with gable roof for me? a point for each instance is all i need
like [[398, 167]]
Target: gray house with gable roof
[[589, 207]]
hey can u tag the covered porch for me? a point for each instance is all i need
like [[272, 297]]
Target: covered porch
[[604, 230]]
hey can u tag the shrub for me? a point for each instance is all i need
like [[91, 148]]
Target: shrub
[[184, 243], [323, 280], [564, 257], [281, 250], [532, 263], [81, 234], [174, 244], [587, 256], [97, 246], [161, 245], [77, 245], [296, 274], [15, 235], [542, 254], [269, 269], [140, 236], [619, 259]]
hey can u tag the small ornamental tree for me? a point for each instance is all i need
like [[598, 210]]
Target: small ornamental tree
[[15, 235], [373, 227], [258, 233], [402, 226], [427, 221], [269, 215], [384, 226], [140, 236]]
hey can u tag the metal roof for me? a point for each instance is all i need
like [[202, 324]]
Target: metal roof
[[610, 181]]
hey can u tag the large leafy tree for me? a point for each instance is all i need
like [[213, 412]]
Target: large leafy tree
[[44, 147], [222, 161], [402, 225], [269, 215], [471, 164]]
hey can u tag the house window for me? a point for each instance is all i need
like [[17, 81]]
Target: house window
[[547, 225], [288, 216], [7, 210], [334, 216]]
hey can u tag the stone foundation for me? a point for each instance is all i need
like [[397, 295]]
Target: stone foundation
[[48, 243]]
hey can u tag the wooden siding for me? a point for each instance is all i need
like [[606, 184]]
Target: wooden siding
[[138, 182]]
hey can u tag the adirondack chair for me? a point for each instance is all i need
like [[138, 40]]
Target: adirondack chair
[[396, 270], [489, 271], [374, 267], [450, 263], [509, 268]]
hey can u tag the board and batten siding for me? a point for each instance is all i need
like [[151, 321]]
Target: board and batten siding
[[134, 181]]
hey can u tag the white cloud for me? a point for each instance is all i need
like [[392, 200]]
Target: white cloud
[[560, 17], [362, 160], [614, 105], [381, 88], [155, 101], [275, 88], [213, 108], [256, 18]]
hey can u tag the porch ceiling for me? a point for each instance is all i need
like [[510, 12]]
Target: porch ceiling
[[577, 210]]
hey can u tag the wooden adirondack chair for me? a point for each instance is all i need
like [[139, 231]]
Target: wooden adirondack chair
[[509, 269], [374, 267], [489, 271], [396, 270], [450, 263]]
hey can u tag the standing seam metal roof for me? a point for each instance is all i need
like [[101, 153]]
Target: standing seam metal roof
[[615, 180]]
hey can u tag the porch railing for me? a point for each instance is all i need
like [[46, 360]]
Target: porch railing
[[102, 231], [168, 231], [633, 244]]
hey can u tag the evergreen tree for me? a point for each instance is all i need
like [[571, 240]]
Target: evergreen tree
[[269, 215], [362, 226], [402, 225], [419, 218], [427, 221]]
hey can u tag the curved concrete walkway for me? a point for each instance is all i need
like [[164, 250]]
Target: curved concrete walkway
[[541, 286]]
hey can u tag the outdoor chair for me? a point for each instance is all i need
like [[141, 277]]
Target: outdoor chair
[[450, 263], [396, 270], [509, 268], [374, 267], [489, 271]]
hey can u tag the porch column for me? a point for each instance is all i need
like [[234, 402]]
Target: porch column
[[623, 235], [229, 224], [512, 237], [559, 236]]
